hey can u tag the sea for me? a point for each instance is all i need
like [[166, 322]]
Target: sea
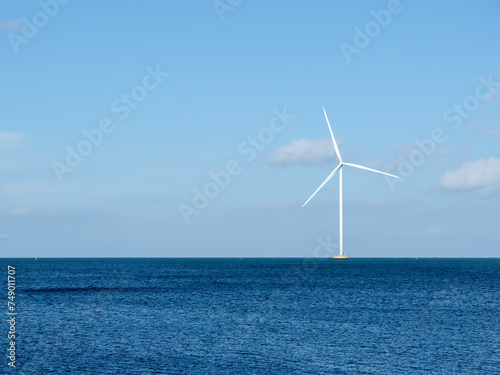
[[251, 316]]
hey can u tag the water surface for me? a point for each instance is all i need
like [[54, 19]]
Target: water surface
[[257, 316]]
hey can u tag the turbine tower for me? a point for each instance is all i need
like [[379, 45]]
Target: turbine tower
[[339, 169]]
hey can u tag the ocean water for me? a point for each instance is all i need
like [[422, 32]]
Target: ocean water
[[255, 316]]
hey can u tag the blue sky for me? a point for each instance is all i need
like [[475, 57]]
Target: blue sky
[[176, 92]]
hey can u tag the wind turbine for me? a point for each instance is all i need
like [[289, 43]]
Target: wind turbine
[[339, 169]]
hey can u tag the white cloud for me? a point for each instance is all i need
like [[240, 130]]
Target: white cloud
[[10, 140], [11, 25], [280, 205], [20, 212], [495, 128], [494, 96], [482, 173], [395, 159], [303, 151], [433, 230], [492, 129], [23, 212], [478, 129]]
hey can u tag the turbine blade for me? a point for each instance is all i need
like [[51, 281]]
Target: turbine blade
[[323, 184], [369, 169], [333, 138]]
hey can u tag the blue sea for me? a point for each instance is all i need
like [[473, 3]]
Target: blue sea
[[254, 316]]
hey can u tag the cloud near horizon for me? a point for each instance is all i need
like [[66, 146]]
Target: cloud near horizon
[[20, 212], [482, 173], [11, 25], [11, 140], [303, 151]]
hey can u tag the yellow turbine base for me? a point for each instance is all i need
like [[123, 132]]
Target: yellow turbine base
[[341, 257]]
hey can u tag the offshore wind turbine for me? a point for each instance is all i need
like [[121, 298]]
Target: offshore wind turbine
[[339, 169]]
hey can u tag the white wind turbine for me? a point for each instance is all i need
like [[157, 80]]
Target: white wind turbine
[[339, 168]]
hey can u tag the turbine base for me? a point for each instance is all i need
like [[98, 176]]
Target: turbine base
[[341, 257]]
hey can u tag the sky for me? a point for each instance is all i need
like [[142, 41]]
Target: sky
[[196, 128]]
